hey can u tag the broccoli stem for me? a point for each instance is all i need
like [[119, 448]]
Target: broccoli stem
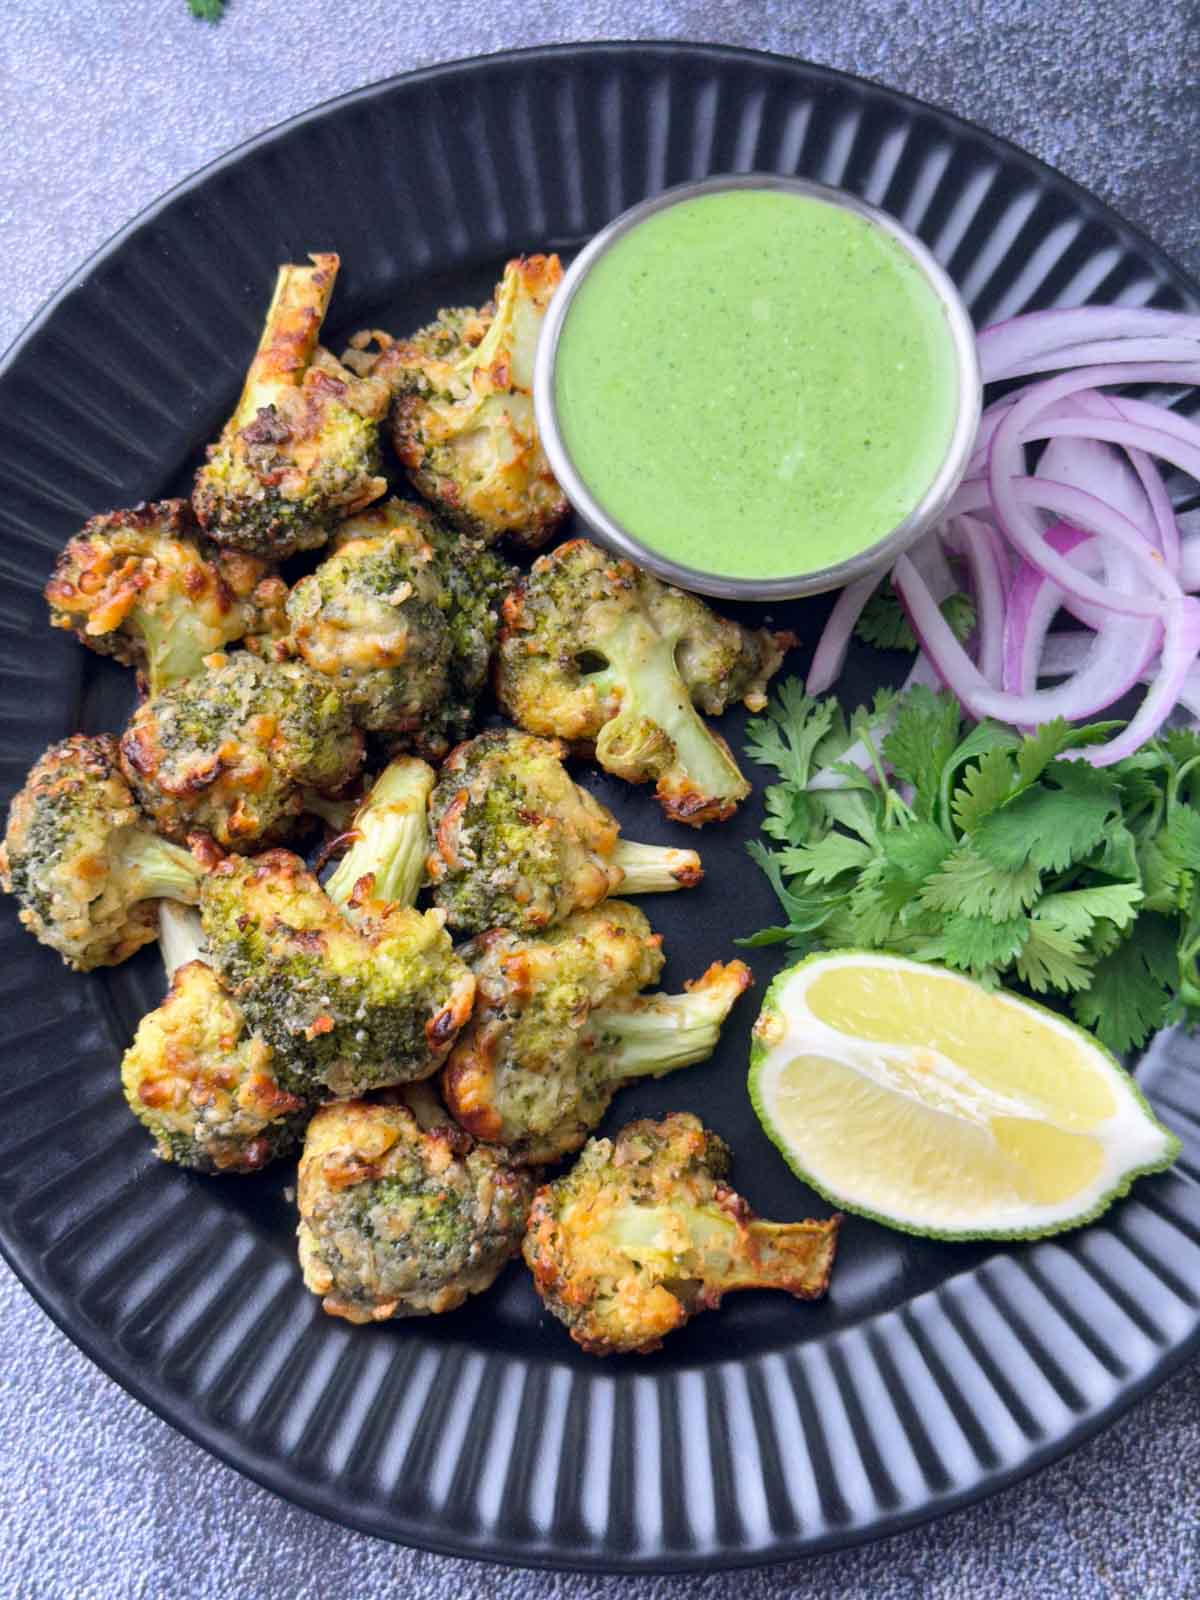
[[180, 936], [795, 1256], [157, 869], [482, 354], [653, 1034], [289, 337], [173, 653], [725, 1252], [643, 671], [655, 869], [392, 837]]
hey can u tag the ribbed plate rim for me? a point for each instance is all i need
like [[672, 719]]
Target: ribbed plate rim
[[272, 1471]]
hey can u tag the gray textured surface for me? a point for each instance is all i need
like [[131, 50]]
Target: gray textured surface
[[107, 103]]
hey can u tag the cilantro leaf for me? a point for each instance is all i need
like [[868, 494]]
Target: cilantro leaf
[[1049, 828], [975, 943], [825, 860], [984, 788], [1076, 911], [1052, 959], [921, 740], [788, 735], [1181, 837], [1130, 990], [207, 10], [966, 882], [804, 912]]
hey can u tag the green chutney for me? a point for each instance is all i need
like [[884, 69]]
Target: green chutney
[[756, 384]]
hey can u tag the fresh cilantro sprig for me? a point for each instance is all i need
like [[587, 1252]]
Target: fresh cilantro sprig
[[997, 855]]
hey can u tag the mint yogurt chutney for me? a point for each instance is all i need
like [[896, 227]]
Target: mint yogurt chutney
[[756, 384]]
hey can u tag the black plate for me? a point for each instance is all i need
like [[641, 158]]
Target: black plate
[[933, 1373]]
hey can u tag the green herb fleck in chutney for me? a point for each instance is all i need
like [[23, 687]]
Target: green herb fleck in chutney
[[756, 384]]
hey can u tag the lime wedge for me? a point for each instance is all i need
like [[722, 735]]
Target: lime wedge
[[911, 1094]]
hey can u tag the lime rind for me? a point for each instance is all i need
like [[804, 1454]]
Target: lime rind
[[760, 1051]]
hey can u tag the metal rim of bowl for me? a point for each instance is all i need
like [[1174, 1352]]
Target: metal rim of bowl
[[876, 557]]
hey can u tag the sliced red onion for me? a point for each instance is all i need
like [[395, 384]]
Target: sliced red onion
[[1092, 531], [1130, 435], [830, 655], [1188, 697], [1181, 646], [981, 548], [1106, 676], [1094, 403], [1063, 654], [1050, 336], [1102, 351], [1033, 602], [1015, 497]]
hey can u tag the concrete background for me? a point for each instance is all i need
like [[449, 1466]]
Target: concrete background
[[105, 104]]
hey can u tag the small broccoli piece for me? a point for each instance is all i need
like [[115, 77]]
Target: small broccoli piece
[[197, 1078], [370, 620], [80, 858], [462, 416], [400, 1214], [559, 1026], [643, 1233], [597, 652], [146, 587], [518, 844], [475, 581], [349, 1002], [403, 617], [302, 447], [234, 750], [389, 838]]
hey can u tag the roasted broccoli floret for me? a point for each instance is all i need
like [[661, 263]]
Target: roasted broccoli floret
[[598, 652], [388, 839], [403, 617], [559, 1026], [518, 844], [462, 417], [81, 859], [643, 1233], [197, 1078], [233, 751], [349, 1002], [400, 1214], [146, 587], [368, 619], [302, 447]]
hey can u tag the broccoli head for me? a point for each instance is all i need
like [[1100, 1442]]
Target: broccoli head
[[349, 1002], [199, 1080], [146, 587], [403, 617], [602, 654], [302, 447], [370, 621], [518, 844], [82, 861], [400, 1214], [559, 1026], [388, 838], [462, 415], [643, 1233], [233, 751]]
